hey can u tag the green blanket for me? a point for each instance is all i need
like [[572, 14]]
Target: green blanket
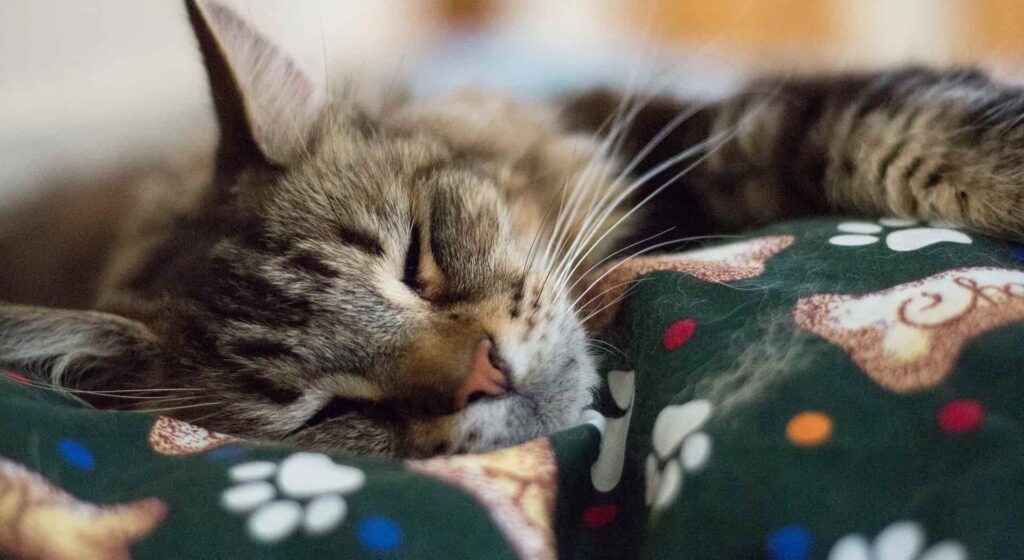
[[836, 389]]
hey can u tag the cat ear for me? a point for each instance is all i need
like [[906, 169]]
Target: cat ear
[[74, 348], [266, 105]]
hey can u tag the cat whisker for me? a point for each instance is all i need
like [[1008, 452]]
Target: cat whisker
[[676, 122], [604, 208], [568, 290], [680, 240], [176, 408], [604, 345], [549, 268], [572, 261], [115, 393], [620, 121], [200, 419], [724, 137], [566, 218], [569, 210], [596, 297], [146, 405], [606, 306], [615, 266], [540, 227]]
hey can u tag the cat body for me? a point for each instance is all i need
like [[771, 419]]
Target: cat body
[[407, 280]]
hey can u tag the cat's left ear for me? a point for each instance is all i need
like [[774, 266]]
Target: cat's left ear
[[266, 106]]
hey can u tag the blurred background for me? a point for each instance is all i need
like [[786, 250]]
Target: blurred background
[[86, 87]]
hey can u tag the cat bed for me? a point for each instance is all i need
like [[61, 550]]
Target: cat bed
[[831, 388]]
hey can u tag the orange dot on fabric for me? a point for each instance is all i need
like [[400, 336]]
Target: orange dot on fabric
[[808, 429]]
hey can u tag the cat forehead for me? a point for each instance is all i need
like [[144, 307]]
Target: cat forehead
[[383, 174], [370, 165]]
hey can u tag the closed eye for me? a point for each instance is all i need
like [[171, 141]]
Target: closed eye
[[338, 406], [411, 269]]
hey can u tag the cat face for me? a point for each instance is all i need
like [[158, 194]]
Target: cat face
[[363, 298], [382, 283]]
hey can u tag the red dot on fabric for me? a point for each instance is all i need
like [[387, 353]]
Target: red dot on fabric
[[678, 333], [600, 515], [960, 417], [16, 377]]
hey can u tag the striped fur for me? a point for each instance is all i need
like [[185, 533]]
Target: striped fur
[[915, 142]]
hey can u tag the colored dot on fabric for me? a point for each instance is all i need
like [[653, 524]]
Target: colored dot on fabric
[[380, 534], [808, 429], [789, 543], [1018, 252], [16, 377], [678, 333], [225, 452], [600, 515], [961, 416], [76, 454]]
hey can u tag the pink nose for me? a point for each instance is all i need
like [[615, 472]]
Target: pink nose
[[483, 378]]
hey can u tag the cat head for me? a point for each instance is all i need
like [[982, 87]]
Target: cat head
[[387, 282]]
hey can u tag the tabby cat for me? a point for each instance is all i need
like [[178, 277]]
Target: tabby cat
[[412, 278]]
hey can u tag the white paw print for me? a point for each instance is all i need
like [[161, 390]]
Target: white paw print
[[906, 238], [679, 447], [607, 469], [903, 540], [305, 489]]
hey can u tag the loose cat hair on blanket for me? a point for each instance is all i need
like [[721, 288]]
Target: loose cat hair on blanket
[[406, 279]]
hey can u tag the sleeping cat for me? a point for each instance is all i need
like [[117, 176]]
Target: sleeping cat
[[411, 279]]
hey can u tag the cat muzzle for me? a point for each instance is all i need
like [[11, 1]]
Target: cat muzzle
[[485, 378]]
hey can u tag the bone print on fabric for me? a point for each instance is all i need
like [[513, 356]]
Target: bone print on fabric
[[908, 337], [517, 486], [725, 263], [607, 470], [41, 522], [174, 437]]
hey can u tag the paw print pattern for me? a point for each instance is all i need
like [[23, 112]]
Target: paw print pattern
[[905, 238], [607, 470], [679, 447], [305, 489], [903, 540]]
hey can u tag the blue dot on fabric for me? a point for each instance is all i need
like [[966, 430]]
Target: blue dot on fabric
[[380, 534], [1018, 252], [225, 452], [789, 543], [76, 454]]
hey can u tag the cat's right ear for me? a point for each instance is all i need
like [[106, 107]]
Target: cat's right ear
[[267, 107]]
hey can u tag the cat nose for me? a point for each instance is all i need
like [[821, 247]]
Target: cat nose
[[485, 377]]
